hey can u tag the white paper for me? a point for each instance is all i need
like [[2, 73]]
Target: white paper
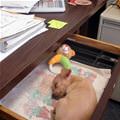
[[14, 23], [18, 3], [9, 52], [17, 9], [17, 29], [5, 20], [23, 6], [49, 6], [24, 34]]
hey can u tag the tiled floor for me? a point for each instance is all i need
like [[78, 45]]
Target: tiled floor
[[112, 111]]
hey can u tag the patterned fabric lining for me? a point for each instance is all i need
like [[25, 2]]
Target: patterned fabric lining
[[31, 98]]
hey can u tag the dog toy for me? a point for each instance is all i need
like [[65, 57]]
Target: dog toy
[[64, 53], [59, 58]]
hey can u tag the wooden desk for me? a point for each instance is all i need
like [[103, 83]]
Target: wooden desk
[[26, 55], [22, 61]]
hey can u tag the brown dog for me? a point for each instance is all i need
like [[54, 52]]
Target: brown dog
[[80, 98]]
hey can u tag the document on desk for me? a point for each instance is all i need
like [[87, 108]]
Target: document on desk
[[19, 6], [15, 23], [49, 6], [26, 6], [18, 41], [16, 28]]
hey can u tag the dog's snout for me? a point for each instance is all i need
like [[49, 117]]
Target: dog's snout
[[59, 95], [55, 97]]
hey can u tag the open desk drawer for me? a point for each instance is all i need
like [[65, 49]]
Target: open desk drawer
[[93, 53]]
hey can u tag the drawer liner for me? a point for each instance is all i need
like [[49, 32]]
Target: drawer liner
[[31, 98]]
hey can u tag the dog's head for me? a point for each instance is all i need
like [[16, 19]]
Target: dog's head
[[61, 83]]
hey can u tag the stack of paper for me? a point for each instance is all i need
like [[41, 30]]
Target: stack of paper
[[26, 6], [19, 6], [49, 6], [15, 29]]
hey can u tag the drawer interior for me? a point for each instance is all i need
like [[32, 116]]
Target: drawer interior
[[84, 54], [92, 56], [33, 93]]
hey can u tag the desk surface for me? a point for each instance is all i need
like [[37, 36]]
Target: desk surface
[[14, 64]]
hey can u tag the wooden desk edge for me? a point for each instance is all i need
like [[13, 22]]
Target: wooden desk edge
[[96, 43], [5, 112]]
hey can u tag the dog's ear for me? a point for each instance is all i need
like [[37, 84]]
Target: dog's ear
[[65, 73]]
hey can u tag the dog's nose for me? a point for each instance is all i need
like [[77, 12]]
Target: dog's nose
[[55, 97]]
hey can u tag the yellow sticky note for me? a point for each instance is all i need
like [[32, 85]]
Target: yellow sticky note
[[56, 24]]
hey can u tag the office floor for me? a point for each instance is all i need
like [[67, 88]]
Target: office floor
[[112, 111]]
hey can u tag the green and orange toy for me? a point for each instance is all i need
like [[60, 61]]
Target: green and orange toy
[[64, 53]]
